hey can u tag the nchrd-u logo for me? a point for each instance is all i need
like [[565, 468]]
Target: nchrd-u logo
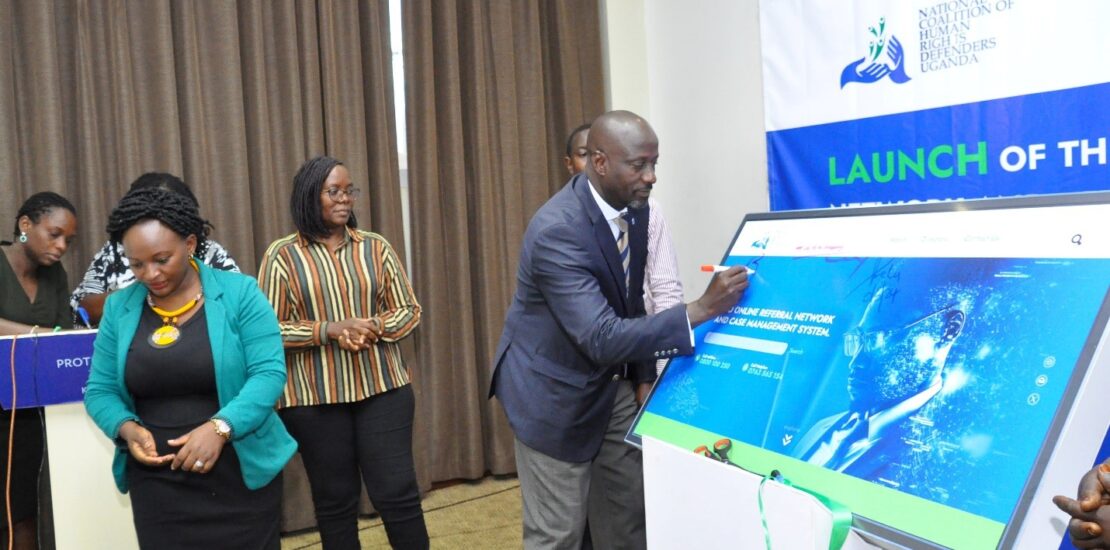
[[884, 59]]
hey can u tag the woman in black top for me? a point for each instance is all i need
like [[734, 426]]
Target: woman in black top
[[187, 366], [33, 293]]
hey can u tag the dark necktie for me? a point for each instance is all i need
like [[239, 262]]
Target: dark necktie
[[622, 248]]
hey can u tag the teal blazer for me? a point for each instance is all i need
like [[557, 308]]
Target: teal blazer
[[250, 371]]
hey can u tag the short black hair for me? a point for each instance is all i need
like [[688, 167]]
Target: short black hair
[[573, 133], [304, 202], [175, 211], [162, 180], [40, 203]]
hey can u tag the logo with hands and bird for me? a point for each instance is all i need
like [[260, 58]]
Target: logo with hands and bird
[[884, 59]]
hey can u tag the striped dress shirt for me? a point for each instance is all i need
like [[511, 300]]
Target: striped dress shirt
[[308, 286], [662, 288]]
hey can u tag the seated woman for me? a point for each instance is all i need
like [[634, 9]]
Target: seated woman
[[187, 361], [33, 289], [108, 270]]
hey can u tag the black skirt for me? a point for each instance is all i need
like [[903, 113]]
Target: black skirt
[[175, 391], [180, 509]]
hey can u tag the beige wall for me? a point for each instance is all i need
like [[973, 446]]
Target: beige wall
[[693, 70], [624, 46]]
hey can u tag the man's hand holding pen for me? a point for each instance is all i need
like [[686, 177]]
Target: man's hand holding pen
[[723, 293]]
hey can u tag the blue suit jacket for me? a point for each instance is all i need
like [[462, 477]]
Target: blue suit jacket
[[571, 327], [880, 454], [249, 362]]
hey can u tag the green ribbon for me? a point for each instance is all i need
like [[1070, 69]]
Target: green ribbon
[[841, 515]]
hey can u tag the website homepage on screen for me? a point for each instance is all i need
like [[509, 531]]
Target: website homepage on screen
[[909, 364]]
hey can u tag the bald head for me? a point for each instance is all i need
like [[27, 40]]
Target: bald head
[[623, 152], [618, 131]]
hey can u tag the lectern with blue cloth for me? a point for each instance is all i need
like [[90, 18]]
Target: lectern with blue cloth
[[51, 370]]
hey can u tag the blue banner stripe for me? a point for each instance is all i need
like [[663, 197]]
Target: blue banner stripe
[[954, 152]]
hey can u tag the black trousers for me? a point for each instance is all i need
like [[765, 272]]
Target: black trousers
[[374, 437]]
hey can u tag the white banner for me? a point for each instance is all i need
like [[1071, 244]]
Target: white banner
[[952, 52], [880, 102]]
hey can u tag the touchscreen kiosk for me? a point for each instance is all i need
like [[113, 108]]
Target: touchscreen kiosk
[[916, 363]]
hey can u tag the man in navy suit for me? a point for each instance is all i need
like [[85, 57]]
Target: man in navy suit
[[576, 340]]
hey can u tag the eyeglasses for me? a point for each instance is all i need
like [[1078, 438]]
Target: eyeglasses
[[856, 340], [334, 192]]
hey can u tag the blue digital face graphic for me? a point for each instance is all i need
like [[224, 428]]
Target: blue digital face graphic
[[935, 377], [890, 363]]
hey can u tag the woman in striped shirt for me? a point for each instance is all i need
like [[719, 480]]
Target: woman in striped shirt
[[343, 302]]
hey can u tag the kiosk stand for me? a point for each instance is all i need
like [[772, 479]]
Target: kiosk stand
[[714, 505], [939, 370]]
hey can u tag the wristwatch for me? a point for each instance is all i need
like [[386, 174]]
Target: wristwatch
[[223, 429]]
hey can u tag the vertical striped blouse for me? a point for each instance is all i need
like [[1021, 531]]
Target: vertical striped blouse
[[309, 285]]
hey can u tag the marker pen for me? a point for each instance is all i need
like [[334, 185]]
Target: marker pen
[[708, 268]]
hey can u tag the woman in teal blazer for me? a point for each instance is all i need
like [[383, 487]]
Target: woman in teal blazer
[[186, 361]]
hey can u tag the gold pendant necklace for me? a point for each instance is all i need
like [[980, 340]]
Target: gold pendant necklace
[[168, 334]]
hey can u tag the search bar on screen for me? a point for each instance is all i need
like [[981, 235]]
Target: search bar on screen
[[760, 345]]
